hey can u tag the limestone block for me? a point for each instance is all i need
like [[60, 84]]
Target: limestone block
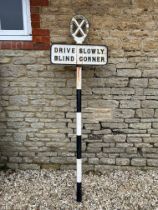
[[10, 70], [149, 104], [4, 60], [107, 161], [24, 60], [130, 104], [128, 72], [140, 125], [141, 82], [18, 100], [145, 113], [24, 166], [138, 162], [123, 161], [152, 162]]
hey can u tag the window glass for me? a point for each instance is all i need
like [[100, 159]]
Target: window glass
[[11, 17]]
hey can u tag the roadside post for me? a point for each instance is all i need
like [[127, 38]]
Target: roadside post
[[78, 55]]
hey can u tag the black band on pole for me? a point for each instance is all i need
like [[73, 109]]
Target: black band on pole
[[79, 147], [79, 192], [78, 93]]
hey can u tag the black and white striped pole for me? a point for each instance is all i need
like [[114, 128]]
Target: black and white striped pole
[[79, 55], [79, 28], [79, 133]]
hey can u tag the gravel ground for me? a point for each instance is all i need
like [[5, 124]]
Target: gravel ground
[[54, 190]]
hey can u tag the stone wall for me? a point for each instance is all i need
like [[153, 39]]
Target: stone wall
[[120, 100]]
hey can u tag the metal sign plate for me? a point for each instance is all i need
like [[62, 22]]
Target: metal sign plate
[[78, 54], [79, 28]]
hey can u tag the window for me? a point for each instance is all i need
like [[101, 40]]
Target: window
[[15, 20]]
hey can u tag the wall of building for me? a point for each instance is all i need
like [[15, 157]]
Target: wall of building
[[120, 100]]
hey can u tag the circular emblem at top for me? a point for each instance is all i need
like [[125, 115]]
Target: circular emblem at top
[[79, 28]]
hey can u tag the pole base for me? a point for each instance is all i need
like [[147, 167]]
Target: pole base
[[79, 192]]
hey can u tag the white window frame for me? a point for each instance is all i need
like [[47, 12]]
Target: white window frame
[[25, 34]]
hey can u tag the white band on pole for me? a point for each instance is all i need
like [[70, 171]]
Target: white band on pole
[[79, 170], [78, 123], [79, 80]]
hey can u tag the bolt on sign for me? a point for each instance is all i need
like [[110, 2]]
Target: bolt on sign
[[79, 55]]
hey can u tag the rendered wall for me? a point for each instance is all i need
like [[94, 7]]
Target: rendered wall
[[120, 100]]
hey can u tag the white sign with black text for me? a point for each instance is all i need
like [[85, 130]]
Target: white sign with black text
[[78, 54]]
